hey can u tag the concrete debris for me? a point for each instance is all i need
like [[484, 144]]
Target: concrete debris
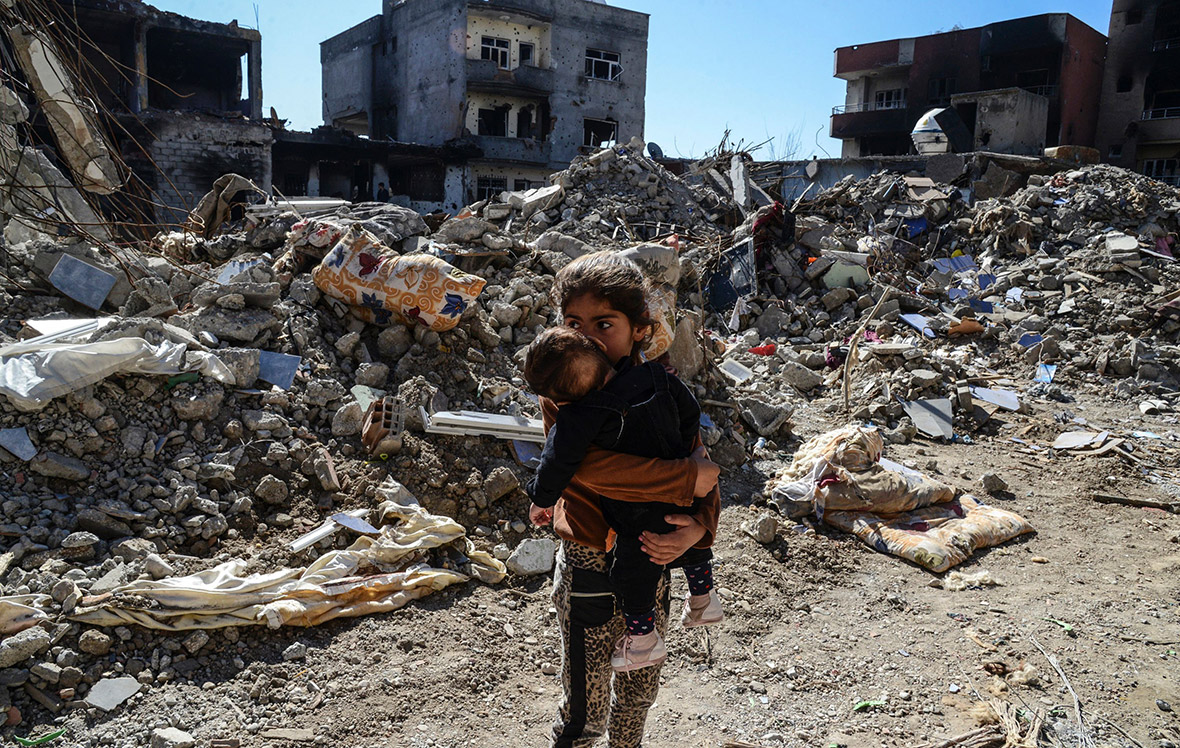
[[533, 556]]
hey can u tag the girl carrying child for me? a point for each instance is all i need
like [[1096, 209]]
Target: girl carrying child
[[603, 296]]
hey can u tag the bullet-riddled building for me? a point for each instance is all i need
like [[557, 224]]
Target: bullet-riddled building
[[1000, 78], [1139, 126], [531, 83]]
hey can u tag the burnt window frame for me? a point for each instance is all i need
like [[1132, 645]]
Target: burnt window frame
[[940, 90]]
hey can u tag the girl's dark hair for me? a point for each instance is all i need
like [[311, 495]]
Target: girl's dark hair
[[564, 365], [613, 278]]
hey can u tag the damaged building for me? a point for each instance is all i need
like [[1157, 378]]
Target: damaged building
[[1139, 125], [185, 96], [530, 83], [1019, 86]]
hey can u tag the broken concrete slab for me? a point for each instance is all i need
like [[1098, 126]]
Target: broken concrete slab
[[109, 693], [931, 417], [54, 465]]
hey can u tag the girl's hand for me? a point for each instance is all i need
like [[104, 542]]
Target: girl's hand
[[666, 548], [541, 517]]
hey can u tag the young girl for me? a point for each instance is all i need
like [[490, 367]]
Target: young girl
[[602, 295]]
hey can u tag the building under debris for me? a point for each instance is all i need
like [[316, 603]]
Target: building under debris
[[1139, 124], [530, 83], [185, 96], [1019, 86]]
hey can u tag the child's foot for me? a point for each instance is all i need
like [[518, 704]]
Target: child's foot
[[702, 610], [636, 651]]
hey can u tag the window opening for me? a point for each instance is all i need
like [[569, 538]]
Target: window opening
[[893, 98], [941, 90], [527, 53], [492, 48], [493, 122], [488, 187], [524, 124], [603, 65], [599, 133], [1163, 169]]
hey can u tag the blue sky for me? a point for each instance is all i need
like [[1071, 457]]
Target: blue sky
[[762, 68]]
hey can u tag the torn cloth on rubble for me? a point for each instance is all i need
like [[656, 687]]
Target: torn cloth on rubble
[[373, 575], [895, 511], [20, 612], [936, 537], [32, 376], [214, 208], [379, 284]]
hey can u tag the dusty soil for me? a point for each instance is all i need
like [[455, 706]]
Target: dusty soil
[[817, 623]]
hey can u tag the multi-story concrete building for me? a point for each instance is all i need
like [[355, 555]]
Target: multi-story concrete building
[[531, 83], [1055, 57], [1139, 124]]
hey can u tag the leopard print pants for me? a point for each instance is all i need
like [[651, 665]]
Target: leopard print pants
[[591, 624]]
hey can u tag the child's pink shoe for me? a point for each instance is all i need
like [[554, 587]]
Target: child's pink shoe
[[634, 652], [702, 610]]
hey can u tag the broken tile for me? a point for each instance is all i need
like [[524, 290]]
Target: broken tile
[[278, 368], [18, 443], [81, 281]]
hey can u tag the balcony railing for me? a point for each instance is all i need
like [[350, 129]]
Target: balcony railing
[[1165, 44], [1167, 112], [869, 106], [1172, 179], [1046, 91]]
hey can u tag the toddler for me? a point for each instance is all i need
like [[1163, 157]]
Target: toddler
[[635, 409]]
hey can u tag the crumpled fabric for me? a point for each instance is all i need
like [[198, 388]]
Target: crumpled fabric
[[890, 508], [20, 612], [32, 375], [373, 575], [214, 207]]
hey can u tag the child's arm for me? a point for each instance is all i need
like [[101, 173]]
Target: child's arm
[[565, 447]]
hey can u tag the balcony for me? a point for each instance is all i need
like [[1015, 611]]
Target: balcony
[[519, 150], [868, 106], [1169, 112], [1049, 91], [862, 120], [860, 59], [526, 80], [1163, 45]]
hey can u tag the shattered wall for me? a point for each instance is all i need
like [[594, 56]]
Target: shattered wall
[[1011, 120], [192, 150], [346, 67]]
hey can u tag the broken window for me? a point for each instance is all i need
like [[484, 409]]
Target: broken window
[[522, 185], [893, 98], [599, 133], [1124, 84], [488, 187], [492, 48], [1116, 150], [603, 65], [525, 127], [1163, 169], [527, 54], [1036, 81], [494, 122], [941, 90]]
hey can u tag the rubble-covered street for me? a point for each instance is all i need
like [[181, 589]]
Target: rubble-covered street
[[262, 472]]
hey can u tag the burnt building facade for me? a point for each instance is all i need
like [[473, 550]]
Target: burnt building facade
[[529, 83], [1139, 125], [984, 73], [185, 97]]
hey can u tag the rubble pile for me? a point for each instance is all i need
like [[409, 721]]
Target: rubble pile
[[614, 197], [245, 420]]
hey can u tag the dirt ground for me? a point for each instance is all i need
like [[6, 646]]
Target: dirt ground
[[817, 624]]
